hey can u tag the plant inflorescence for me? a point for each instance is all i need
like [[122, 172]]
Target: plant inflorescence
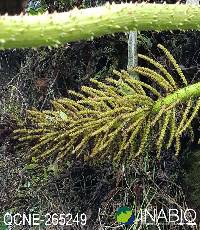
[[117, 119]]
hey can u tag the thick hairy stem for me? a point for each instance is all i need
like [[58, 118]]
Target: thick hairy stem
[[181, 95], [59, 28]]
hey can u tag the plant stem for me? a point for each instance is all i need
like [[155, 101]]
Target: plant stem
[[132, 54], [194, 2], [59, 28], [182, 95]]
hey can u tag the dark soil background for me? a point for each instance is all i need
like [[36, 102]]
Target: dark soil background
[[31, 78]]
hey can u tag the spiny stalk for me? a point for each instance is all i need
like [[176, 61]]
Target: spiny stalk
[[59, 28]]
